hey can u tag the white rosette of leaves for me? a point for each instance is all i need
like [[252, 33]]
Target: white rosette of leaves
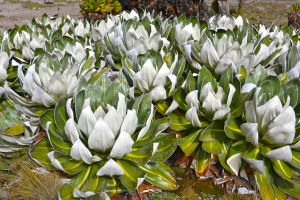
[[132, 39], [265, 138], [47, 80], [153, 74], [198, 111], [226, 23], [104, 141]]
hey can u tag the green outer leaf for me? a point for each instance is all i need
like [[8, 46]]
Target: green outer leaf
[[190, 83], [286, 186], [160, 176], [167, 146], [79, 100], [213, 132], [189, 143], [179, 97], [60, 115], [40, 152], [143, 107], [150, 135], [270, 86], [162, 107], [48, 116], [205, 77], [213, 147], [179, 123], [57, 142], [66, 191], [140, 155], [132, 174], [202, 160], [69, 165], [232, 129], [265, 186]]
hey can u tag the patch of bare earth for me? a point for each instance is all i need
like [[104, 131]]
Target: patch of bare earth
[[21, 11]]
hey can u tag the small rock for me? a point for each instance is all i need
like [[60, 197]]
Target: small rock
[[244, 191]]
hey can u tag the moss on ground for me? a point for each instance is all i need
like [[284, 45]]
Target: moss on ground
[[192, 188]]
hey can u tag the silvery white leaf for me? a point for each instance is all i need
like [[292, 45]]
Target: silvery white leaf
[[79, 29], [122, 146], [80, 152], [58, 85], [122, 106], [173, 80], [141, 83], [27, 53], [230, 95], [155, 146], [211, 103], [101, 137], [41, 97], [192, 99], [257, 165], [71, 130], [28, 81], [4, 60], [250, 113], [192, 116], [239, 21], [267, 112], [111, 168], [221, 113], [130, 122], [251, 132], [295, 71], [174, 105], [158, 93], [209, 54], [69, 108], [234, 162], [86, 120], [55, 162], [223, 44], [175, 63], [99, 113], [207, 88], [154, 40], [161, 76], [282, 129], [113, 119], [3, 74], [248, 87], [45, 74], [283, 153], [224, 64], [148, 72]]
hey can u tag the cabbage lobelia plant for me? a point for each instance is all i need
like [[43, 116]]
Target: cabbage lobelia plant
[[225, 23], [105, 143], [154, 73], [264, 140], [45, 81], [132, 39], [198, 111]]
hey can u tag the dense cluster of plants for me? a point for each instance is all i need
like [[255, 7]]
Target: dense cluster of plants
[[118, 96]]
